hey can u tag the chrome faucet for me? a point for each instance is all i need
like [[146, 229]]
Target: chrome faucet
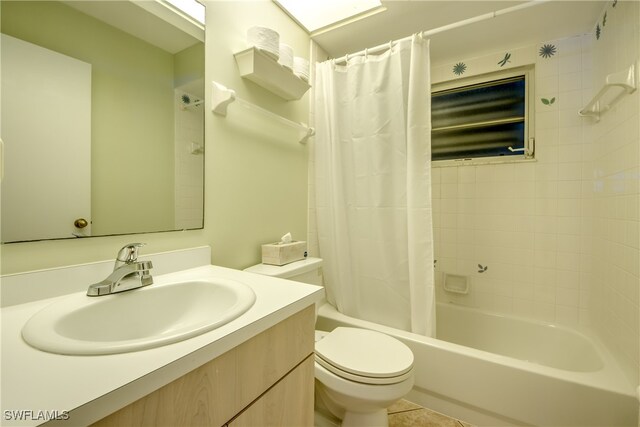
[[128, 273]]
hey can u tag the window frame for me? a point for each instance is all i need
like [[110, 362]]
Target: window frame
[[529, 114]]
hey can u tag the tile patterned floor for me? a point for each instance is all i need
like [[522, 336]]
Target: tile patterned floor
[[407, 414]]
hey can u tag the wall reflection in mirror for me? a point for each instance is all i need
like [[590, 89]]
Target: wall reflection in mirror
[[102, 119]]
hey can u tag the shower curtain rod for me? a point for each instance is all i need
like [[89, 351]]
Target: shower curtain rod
[[444, 28]]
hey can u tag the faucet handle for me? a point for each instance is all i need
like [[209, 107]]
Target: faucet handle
[[129, 253]]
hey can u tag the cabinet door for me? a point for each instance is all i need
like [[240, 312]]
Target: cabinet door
[[220, 389], [288, 403]]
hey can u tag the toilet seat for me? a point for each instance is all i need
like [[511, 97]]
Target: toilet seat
[[364, 356]]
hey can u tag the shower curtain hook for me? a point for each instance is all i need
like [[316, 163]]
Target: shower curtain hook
[[366, 52], [390, 44]]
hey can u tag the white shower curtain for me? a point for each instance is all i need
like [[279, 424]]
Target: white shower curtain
[[373, 186]]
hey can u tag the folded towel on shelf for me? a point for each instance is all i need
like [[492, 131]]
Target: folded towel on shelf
[[301, 68], [265, 39], [286, 56]]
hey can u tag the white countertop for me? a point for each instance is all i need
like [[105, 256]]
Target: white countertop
[[91, 387]]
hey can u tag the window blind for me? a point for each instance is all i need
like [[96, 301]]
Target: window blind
[[481, 120]]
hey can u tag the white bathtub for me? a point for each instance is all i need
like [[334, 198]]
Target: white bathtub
[[500, 370]]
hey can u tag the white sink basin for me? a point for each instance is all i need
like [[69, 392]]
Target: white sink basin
[[148, 317]]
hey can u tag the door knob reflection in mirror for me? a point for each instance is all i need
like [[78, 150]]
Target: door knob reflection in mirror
[[80, 223]]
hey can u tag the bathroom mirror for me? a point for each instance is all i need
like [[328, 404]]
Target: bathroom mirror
[[102, 119]]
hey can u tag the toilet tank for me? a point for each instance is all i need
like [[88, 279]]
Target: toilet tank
[[308, 270]]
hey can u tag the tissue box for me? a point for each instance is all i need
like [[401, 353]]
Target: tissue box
[[283, 253]]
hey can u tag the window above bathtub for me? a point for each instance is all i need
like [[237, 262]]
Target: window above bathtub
[[483, 119]]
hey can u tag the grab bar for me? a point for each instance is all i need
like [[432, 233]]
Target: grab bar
[[222, 96], [627, 80]]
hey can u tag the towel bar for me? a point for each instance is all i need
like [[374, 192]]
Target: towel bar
[[221, 97]]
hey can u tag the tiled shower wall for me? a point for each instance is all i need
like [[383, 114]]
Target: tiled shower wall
[[516, 229], [557, 239], [613, 205], [189, 162]]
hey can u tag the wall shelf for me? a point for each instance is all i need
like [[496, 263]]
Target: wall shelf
[[265, 71], [627, 80], [222, 96]]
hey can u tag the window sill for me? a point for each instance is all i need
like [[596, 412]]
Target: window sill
[[481, 161]]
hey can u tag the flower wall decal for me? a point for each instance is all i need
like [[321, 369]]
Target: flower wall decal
[[546, 101], [504, 61], [604, 19], [615, 2], [187, 100], [459, 68], [547, 51], [482, 268], [598, 31]]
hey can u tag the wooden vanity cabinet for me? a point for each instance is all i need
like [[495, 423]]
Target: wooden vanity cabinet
[[287, 403], [265, 381]]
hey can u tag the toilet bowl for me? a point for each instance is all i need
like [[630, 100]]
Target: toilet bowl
[[358, 373]]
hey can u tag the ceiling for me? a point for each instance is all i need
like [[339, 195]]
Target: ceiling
[[544, 22]]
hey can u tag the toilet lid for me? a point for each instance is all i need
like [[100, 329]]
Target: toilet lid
[[364, 353]]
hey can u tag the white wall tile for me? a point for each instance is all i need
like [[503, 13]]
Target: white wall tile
[[467, 174], [449, 175], [546, 172], [569, 171], [544, 311], [549, 119], [568, 315], [547, 84], [615, 152], [569, 189]]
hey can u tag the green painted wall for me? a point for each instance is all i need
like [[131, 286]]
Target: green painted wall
[[256, 182], [188, 65], [255, 170]]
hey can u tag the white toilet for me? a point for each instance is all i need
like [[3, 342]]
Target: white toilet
[[359, 373]]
